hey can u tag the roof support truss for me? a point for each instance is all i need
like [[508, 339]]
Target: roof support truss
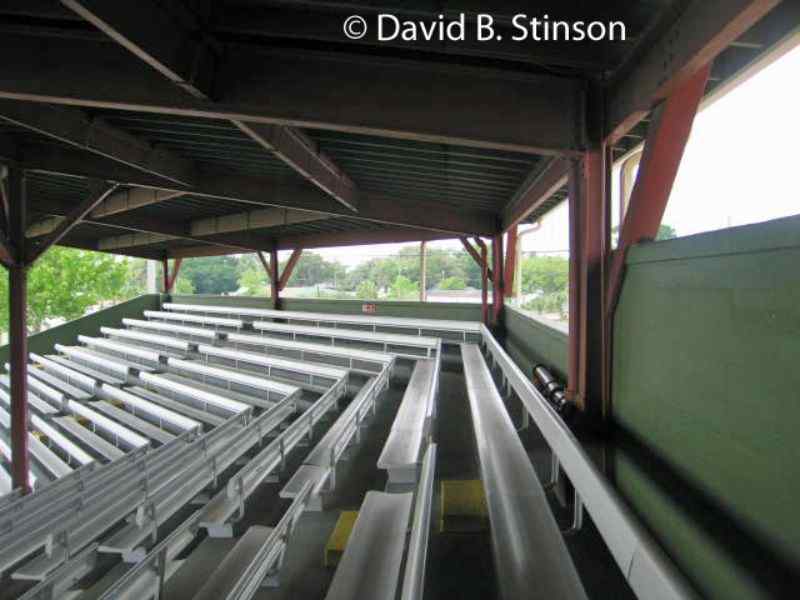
[[169, 39], [537, 189]]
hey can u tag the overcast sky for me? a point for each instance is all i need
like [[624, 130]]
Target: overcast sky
[[741, 166]]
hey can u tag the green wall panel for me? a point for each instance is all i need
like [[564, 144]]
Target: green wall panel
[[706, 403], [42, 343], [530, 342]]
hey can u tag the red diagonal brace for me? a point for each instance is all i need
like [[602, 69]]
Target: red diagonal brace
[[475, 254], [289, 268]]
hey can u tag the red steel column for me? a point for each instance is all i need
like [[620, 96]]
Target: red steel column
[[576, 236], [484, 285], [18, 331], [275, 288], [498, 296], [511, 262]]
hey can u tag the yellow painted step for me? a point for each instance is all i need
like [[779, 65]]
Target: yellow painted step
[[338, 540], [463, 506]]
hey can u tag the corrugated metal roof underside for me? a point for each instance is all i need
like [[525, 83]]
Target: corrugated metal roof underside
[[456, 176]]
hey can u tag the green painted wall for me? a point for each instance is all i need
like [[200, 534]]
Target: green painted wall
[[42, 343], [530, 342], [706, 397], [425, 310]]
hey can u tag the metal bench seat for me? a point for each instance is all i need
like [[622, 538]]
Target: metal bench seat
[[257, 555], [402, 451], [272, 391], [365, 361], [39, 405], [206, 399], [142, 407], [120, 434], [102, 362], [313, 374], [144, 427], [5, 452], [5, 481], [61, 385], [50, 462], [185, 318], [194, 332], [405, 345], [370, 565], [153, 339], [177, 407], [414, 570], [106, 449], [462, 328], [145, 356], [72, 373], [70, 449], [528, 547]]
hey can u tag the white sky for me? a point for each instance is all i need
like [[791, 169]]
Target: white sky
[[740, 166]]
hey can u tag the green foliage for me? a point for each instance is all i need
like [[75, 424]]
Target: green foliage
[[453, 283], [367, 290], [312, 270], [666, 232], [212, 274], [404, 289], [184, 286], [544, 274], [253, 282], [64, 283]]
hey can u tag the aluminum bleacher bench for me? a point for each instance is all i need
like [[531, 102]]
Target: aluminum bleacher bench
[[395, 343], [458, 329], [121, 435], [256, 557], [177, 406], [199, 319], [319, 466], [39, 405], [364, 361], [5, 481], [61, 385], [64, 369], [152, 339], [268, 391], [146, 428], [49, 461], [141, 407], [146, 356], [402, 452], [414, 569], [193, 332], [116, 367], [5, 452], [370, 565], [99, 445], [528, 547], [183, 391], [319, 376]]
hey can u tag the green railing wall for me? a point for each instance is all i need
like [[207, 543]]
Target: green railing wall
[[530, 341], [424, 310], [42, 343], [707, 407]]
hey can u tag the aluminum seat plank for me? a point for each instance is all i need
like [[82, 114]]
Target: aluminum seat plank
[[60, 385], [144, 427], [151, 338], [140, 405], [90, 438], [178, 407], [182, 329], [207, 398], [528, 547], [184, 318], [370, 565], [274, 362], [396, 339]]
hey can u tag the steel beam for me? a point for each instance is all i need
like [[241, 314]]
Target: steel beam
[[71, 126], [544, 181], [188, 59], [99, 191], [263, 191], [170, 278], [484, 285], [275, 288], [475, 254], [130, 199], [576, 229], [18, 330], [699, 35], [666, 141], [420, 100], [289, 268], [510, 262]]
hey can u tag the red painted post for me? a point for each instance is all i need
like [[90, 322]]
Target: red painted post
[[274, 279], [511, 261], [18, 332], [165, 269], [498, 295], [484, 285], [576, 202]]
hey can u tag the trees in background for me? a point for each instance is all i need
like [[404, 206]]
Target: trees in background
[[211, 274], [64, 283]]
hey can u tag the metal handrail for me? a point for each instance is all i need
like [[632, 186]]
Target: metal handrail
[[648, 570]]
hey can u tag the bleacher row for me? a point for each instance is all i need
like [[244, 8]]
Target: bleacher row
[[189, 408], [129, 429]]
